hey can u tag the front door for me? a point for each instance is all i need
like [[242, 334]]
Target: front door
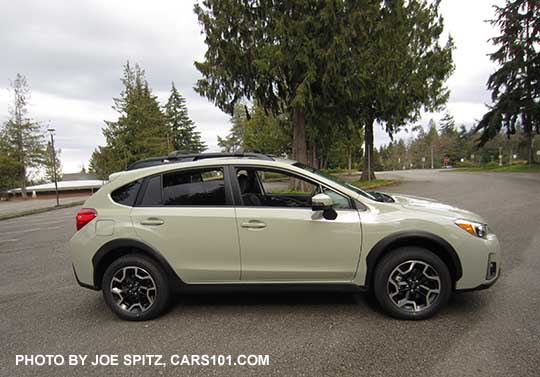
[[188, 217], [283, 240]]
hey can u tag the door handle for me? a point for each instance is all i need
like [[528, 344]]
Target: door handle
[[254, 224], [153, 221]]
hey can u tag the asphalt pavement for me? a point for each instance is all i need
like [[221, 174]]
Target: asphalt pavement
[[495, 332]]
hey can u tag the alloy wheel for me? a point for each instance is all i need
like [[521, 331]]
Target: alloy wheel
[[133, 289], [414, 286]]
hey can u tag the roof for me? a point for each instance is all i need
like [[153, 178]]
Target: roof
[[63, 186], [125, 176], [78, 177], [180, 156]]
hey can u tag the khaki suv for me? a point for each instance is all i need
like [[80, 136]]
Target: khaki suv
[[247, 220]]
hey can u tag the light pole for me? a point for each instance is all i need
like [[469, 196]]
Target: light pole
[[53, 152]]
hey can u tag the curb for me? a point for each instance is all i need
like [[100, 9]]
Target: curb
[[39, 210]]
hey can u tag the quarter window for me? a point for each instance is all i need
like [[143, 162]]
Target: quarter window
[[194, 188], [126, 194]]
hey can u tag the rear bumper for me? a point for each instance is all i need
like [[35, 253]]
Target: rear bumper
[[84, 285]]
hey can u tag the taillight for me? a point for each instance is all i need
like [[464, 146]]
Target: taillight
[[84, 216]]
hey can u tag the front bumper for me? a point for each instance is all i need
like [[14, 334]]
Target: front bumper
[[479, 257], [481, 286]]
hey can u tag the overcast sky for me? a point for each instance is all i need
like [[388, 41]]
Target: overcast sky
[[72, 54]]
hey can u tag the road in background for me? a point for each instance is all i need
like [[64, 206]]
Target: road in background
[[487, 333], [16, 206]]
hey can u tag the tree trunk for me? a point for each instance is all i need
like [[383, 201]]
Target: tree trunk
[[310, 157], [349, 160], [23, 181], [368, 152], [530, 136], [299, 136]]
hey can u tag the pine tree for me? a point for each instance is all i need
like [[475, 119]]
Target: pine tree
[[235, 138], [449, 142], [181, 129], [367, 61], [140, 131], [266, 132], [448, 125], [48, 163], [103, 162], [22, 136], [289, 57], [9, 168], [515, 86]]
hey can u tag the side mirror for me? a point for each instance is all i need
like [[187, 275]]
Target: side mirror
[[320, 202], [323, 202]]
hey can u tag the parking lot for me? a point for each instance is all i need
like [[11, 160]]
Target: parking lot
[[486, 333]]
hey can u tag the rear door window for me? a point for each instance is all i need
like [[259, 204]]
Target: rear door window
[[152, 193], [205, 187]]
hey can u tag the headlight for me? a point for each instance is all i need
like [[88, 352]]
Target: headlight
[[476, 229]]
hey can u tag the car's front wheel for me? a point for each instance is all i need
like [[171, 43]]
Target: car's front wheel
[[412, 283], [135, 288]]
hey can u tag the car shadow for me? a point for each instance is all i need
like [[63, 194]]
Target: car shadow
[[265, 298]]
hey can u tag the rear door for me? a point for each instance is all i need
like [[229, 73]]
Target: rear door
[[282, 239], [187, 216]]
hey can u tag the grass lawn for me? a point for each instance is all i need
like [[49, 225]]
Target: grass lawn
[[521, 168], [365, 185]]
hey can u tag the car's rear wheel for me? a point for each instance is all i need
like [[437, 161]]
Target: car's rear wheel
[[135, 288], [412, 283]]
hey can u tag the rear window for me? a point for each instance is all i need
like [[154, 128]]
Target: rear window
[[126, 194]]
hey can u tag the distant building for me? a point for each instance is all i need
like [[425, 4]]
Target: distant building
[[77, 185]]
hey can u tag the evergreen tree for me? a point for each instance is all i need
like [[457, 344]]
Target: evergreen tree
[[181, 129], [267, 132], [235, 138], [48, 163], [290, 57], [103, 162], [22, 137], [140, 131], [449, 142], [9, 168], [515, 86], [257, 130], [367, 61], [448, 125], [407, 67]]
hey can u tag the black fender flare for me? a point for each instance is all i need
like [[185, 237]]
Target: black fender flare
[[438, 245], [111, 248]]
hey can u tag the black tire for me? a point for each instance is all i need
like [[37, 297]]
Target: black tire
[[390, 262], [146, 266]]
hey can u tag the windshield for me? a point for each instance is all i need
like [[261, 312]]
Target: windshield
[[334, 179]]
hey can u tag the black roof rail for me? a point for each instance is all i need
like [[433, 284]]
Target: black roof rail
[[182, 156]]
